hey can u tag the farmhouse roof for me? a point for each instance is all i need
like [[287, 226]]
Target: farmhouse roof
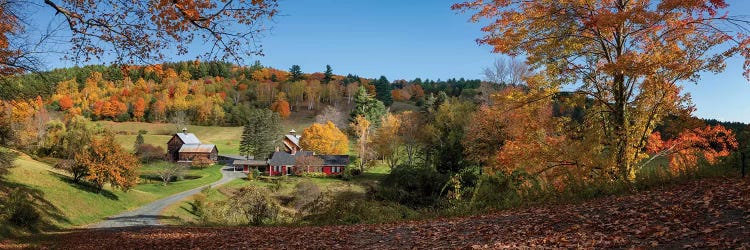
[[197, 148], [188, 138], [304, 153], [281, 158], [335, 160], [250, 162]]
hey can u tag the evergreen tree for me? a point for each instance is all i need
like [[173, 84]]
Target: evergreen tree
[[295, 73], [383, 91], [138, 142], [260, 133], [328, 75], [367, 106]]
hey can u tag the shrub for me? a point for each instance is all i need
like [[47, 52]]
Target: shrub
[[198, 206], [499, 190], [314, 174], [201, 162], [149, 153], [305, 194], [413, 186], [254, 175], [355, 208], [255, 204], [18, 209]]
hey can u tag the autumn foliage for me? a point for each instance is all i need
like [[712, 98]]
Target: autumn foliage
[[324, 139], [690, 146], [281, 106], [626, 56], [108, 163]]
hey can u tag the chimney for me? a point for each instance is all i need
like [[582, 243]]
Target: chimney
[[184, 130], [292, 132]]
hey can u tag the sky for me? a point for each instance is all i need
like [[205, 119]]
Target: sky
[[425, 38]]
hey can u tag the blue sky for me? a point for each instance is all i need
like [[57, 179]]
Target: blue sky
[[424, 38]]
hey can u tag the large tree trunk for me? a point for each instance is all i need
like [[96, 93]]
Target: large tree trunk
[[621, 136]]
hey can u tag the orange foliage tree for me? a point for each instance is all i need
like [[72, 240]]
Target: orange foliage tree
[[281, 106], [628, 56], [143, 31], [684, 151], [65, 103], [324, 139], [139, 109], [107, 162]]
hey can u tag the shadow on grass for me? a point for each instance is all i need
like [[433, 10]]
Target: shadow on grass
[[21, 197], [85, 187], [370, 177], [157, 178]]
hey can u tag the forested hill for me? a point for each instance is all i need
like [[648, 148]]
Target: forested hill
[[208, 93]]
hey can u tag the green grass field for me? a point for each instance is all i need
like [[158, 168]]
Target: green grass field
[[179, 213], [79, 205]]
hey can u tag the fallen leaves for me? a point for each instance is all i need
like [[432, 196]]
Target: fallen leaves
[[700, 214]]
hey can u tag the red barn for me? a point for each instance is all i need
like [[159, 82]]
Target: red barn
[[185, 147], [283, 163]]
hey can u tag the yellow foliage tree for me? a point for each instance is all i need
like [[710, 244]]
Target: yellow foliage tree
[[324, 139], [361, 128]]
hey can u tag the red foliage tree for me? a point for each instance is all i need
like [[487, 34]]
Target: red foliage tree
[[685, 151]]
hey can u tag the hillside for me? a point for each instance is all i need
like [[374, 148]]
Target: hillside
[[65, 204], [711, 213], [227, 139]]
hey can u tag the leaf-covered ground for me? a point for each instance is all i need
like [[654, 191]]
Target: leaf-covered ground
[[700, 214]]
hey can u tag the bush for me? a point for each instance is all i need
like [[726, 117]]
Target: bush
[[201, 162], [254, 175], [355, 208], [314, 174], [413, 186], [306, 195], [18, 209], [198, 206], [149, 153], [255, 205], [499, 190]]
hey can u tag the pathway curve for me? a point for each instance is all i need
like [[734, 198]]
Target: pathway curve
[[150, 214]]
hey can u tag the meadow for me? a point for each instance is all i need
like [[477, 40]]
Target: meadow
[[74, 205]]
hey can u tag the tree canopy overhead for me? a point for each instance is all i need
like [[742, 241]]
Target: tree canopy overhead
[[628, 55], [134, 31]]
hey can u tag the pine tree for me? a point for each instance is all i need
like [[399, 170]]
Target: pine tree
[[383, 91], [367, 106], [295, 73], [138, 142], [260, 132], [328, 75]]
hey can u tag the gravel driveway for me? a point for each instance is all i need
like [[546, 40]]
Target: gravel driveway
[[150, 214]]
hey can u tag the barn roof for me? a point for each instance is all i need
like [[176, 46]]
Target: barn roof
[[197, 148], [188, 138], [294, 139], [280, 158], [335, 160], [250, 162]]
